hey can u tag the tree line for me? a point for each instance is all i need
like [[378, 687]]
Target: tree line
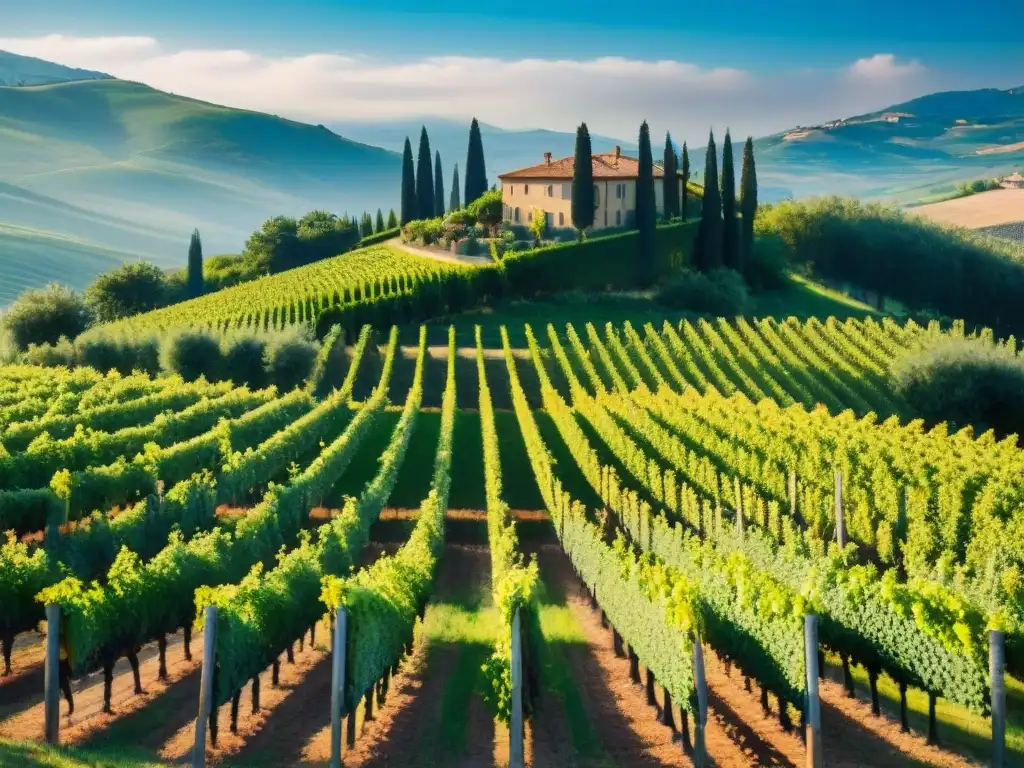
[[422, 192], [726, 232]]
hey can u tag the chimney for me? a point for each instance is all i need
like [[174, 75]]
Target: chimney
[[618, 152], [547, 158]]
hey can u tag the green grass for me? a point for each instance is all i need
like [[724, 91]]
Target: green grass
[[25, 754], [805, 298]]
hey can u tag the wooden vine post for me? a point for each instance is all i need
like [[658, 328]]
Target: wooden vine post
[[51, 675], [840, 521], [205, 685], [997, 672], [516, 757], [338, 683], [700, 757], [814, 752]]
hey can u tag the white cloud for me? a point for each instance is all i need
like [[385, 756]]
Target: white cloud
[[612, 94], [883, 66]]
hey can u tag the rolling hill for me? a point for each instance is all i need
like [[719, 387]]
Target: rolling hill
[[934, 142], [26, 70], [126, 171]]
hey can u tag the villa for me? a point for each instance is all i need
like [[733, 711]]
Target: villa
[[1013, 181], [547, 189]]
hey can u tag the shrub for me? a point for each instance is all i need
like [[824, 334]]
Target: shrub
[[101, 353], [769, 264], [128, 290], [45, 315], [964, 381], [460, 217], [193, 354], [331, 364], [245, 361], [486, 210], [63, 353], [719, 292], [291, 363], [538, 225]]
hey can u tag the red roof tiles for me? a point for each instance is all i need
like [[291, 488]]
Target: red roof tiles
[[607, 165]]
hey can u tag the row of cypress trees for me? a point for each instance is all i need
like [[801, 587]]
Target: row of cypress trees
[[370, 226], [726, 232], [423, 185]]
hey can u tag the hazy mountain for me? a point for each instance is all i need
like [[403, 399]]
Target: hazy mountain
[[25, 70], [934, 142], [504, 150], [129, 171]]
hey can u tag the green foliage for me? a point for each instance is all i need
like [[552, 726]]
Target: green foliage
[[45, 315], [486, 209], [538, 225], [408, 200], [721, 292], [583, 181], [245, 361], [685, 171], [132, 288], [646, 212], [748, 212], [965, 382], [476, 170], [425, 208], [921, 264], [732, 255], [708, 251], [195, 266], [438, 186], [968, 188], [285, 243], [670, 180], [193, 355], [767, 267], [291, 363], [453, 202]]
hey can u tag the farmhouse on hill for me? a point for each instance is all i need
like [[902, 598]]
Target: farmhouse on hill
[[547, 189], [1013, 181]]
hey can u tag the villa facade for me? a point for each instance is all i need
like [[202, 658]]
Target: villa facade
[[546, 189]]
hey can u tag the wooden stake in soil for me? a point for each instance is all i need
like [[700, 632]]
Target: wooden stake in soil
[[700, 719], [634, 666], [517, 734], [814, 752], [51, 675], [997, 673], [904, 723], [205, 685], [933, 724], [876, 704], [338, 684], [840, 524], [650, 689]]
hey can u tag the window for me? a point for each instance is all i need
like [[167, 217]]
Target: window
[[618, 191], [515, 215], [549, 219], [561, 219], [597, 196], [567, 191], [551, 190], [618, 218], [526, 189], [511, 189], [529, 217]]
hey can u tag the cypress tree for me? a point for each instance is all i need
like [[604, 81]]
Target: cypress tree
[[670, 180], [380, 223], [195, 266], [646, 209], [438, 186], [748, 203], [684, 199], [476, 169], [730, 228], [453, 203], [408, 185], [583, 182], [709, 235], [392, 219], [424, 179]]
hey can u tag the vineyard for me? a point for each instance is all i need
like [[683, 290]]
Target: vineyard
[[721, 542]]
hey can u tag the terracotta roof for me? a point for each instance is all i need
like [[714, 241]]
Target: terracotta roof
[[606, 166]]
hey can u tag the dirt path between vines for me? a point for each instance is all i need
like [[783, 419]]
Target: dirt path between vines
[[296, 730], [88, 717], [26, 678]]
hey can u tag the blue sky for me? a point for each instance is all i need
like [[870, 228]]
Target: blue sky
[[778, 47]]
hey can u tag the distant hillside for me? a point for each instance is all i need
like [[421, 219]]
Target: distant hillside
[[25, 70], [504, 149], [926, 146], [123, 170]]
